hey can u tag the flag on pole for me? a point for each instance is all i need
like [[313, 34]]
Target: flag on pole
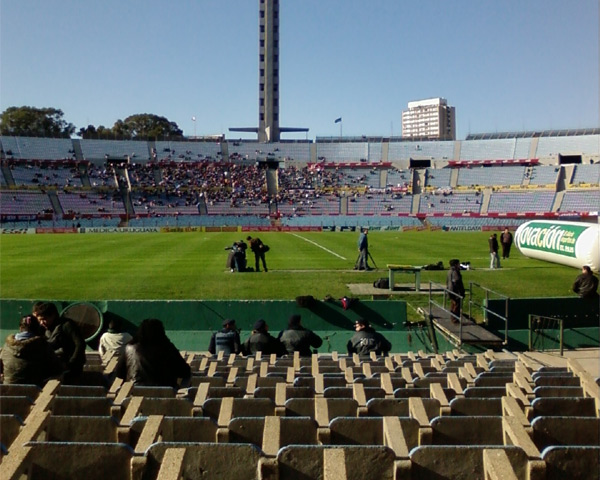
[[338, 120]]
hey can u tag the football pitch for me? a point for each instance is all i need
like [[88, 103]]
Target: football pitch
[[192, 265]]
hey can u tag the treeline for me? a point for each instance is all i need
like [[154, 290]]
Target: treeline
[[49, 122]]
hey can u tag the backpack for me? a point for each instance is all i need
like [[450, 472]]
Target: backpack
[[383, 282]]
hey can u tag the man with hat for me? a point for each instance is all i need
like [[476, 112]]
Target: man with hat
[[260, 340], [367, 340], [226, 340], [299, 339]]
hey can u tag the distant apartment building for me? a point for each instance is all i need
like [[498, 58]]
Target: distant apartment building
[[431, 118]]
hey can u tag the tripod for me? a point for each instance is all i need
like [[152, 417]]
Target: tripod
[[356, 265]]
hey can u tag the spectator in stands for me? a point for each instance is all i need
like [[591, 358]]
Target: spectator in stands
[[112, 342], [494, 258], [226, 340], [151, 359], [586, 284], [259, 249], [64, 337], [260, 340], [296, 338], [506, 240], [363, 249], [456, 289], [367, 340], [26, 356]]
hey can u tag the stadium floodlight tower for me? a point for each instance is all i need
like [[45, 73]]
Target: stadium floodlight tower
[[268, 129]]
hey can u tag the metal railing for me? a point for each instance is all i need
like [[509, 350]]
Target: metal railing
[[539, 331], [487, 293], [447, 297]]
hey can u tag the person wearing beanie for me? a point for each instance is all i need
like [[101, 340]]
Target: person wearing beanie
[[296, 338], [226, 340], [367, 340], [260, 340]]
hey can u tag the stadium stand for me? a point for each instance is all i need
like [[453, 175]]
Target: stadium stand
[[408, 415], [330, 182]]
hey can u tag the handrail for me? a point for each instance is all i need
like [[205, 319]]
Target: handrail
[[486, 310], [443, 306], [540, 323]]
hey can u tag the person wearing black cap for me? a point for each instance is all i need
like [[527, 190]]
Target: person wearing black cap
[[226, 340], [456, 289], [260, 340], [299, 339], [367, 340]]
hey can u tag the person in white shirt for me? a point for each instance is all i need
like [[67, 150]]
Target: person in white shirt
[[113, 341]]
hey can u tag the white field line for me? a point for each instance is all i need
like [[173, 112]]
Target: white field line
[[317, 245]]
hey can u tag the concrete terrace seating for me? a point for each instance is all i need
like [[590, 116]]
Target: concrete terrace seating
[[543, 175], [521, 202], [380, 204], [91, 203], [46, 174], [586, 173], [580, 201], [437, 177], [552, 146], [98, 149], [339, 152], [416, 149], [33, 148], [493, 149], [424, 422], [454, 203], [18, 202], [491, 176], [173, 150]]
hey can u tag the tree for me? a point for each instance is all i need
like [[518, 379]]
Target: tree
[[146, 125], [35, 122]]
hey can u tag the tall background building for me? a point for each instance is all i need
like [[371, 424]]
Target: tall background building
[[431, 118]]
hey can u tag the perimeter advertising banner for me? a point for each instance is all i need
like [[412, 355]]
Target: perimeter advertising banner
[[568, 243]]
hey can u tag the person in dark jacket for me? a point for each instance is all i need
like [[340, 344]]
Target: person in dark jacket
[[64, 337], [299, 339], [258, 248], [506, 240], [151, 359], [226, 340], [26, 356], [494, 258], [260, 340], [367, 340], [586, 284], [456, 289]]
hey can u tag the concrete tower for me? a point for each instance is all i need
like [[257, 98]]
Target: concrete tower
[[268, 75]]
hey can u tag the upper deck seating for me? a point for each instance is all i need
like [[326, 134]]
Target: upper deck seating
[[34, 148], [538, 202]]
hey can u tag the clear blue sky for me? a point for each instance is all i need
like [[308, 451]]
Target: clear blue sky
[[505, 65]]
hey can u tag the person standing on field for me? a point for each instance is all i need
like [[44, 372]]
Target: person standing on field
[[506, 240], [494, 258], [258, 248], [363, 250]]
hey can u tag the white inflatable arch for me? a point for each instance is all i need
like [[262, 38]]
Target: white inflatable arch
[[568, 243]]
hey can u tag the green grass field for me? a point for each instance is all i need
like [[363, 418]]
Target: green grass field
[[192, 265]]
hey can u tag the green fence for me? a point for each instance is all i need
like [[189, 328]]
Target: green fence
[[189, 324]]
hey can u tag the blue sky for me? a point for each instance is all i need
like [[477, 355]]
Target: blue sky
[[505, 65]]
